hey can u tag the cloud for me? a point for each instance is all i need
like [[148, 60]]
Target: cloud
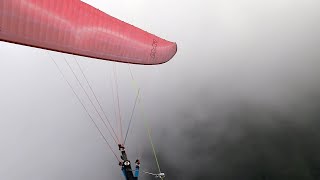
[[244, 140]]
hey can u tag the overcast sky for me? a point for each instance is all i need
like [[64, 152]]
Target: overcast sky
[[243, 69]]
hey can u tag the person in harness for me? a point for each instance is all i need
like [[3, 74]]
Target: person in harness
[[126, 166], [135, 173]]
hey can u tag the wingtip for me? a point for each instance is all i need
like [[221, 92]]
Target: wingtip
[[172, 51]]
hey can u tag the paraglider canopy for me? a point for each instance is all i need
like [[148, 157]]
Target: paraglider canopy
[[74, 27]]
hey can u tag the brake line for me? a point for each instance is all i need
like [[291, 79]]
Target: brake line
[[146, 122]]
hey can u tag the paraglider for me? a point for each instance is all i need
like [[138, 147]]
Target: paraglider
[[74, 27]]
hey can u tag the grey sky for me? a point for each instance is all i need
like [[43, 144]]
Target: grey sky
[[263, 52]]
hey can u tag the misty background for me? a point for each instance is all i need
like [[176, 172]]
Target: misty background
[[240, 100]]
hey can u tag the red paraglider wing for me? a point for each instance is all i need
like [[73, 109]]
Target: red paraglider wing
[[74, 27]]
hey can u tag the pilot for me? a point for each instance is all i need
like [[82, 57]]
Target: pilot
[[125, 166]]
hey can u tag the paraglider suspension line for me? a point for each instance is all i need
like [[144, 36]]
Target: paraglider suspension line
[[84, 107], [134, 107]]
